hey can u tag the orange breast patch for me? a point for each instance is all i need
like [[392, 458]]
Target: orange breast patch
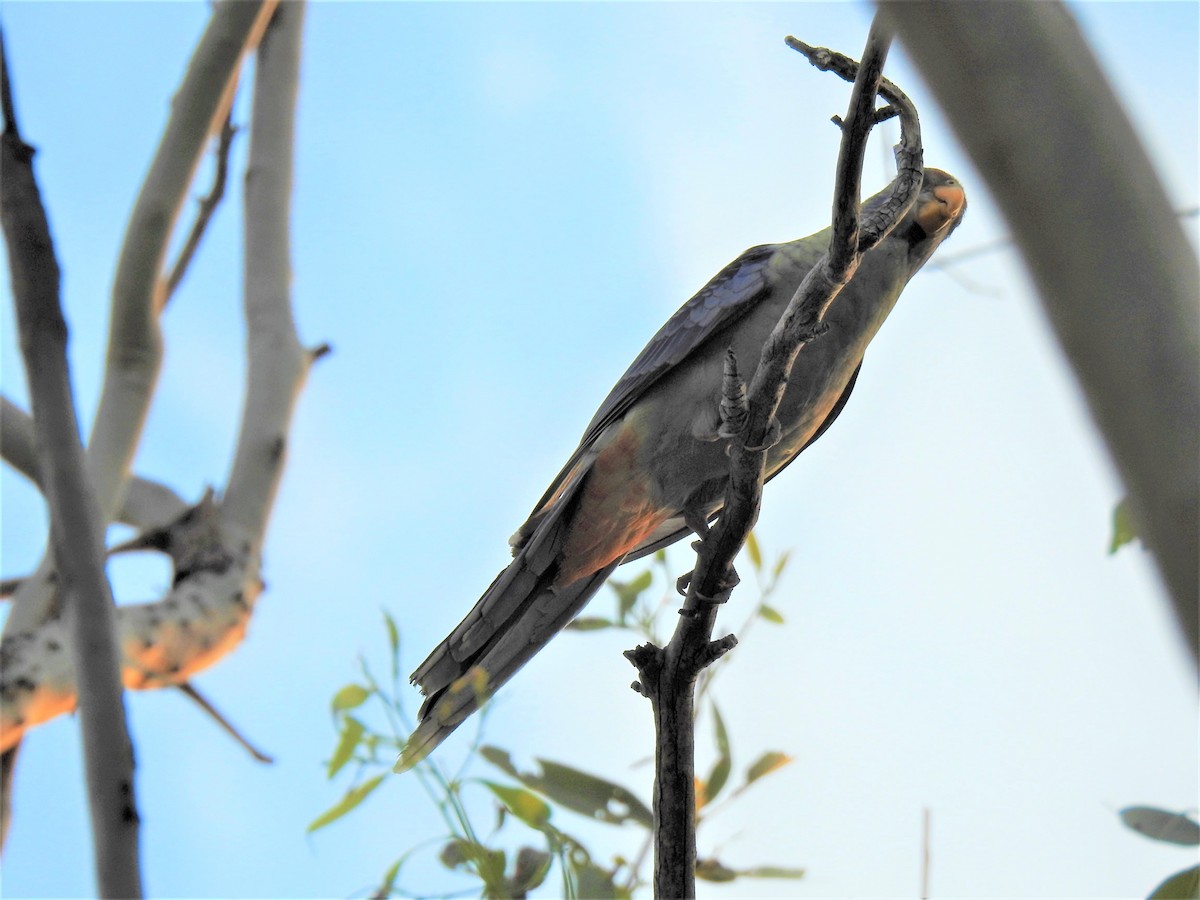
[[615, 511]]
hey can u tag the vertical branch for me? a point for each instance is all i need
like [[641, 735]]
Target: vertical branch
[[276, 363], [76, 525], [1114, 270], [668, 676], [135, 341]]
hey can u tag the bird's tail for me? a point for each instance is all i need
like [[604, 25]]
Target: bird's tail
[[521, 610]]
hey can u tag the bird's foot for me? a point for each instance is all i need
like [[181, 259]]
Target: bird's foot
[[773, 436]]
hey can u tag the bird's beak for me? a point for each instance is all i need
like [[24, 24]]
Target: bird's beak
[[940, 207]]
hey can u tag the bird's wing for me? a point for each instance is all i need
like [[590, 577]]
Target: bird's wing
[[727, 297]]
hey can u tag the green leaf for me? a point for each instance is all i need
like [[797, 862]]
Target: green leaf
[[781, 563], [772, 872], [353, 797], [591, 881], [352, 732], [712, 870], [1124, 531], [393, 642], [529, 871], [629, 591], [525, 805], [461, 854], [766, 764], [1162, 825], [456, 854], [770, 613], [590, 623], [753, 551], [594, 797], [724, 764], [350, 696], [389, 877], [1183, 885]]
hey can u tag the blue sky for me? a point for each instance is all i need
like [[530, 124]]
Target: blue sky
[[496, 206]]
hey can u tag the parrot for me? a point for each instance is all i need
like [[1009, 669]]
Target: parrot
[[651, 467]]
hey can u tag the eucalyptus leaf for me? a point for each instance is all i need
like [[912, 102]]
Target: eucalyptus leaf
[[352, 798]]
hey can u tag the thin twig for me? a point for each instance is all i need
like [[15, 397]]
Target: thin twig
[[76, 525], [207, 206], [192, 694]]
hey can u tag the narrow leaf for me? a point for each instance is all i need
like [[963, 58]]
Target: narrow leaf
[[594, 797], [629, 591], [388, 881], [772, 872], [525, 805], [1161, 825], [766, 764], [724, 764], [590, 623], [770, 613], [352, 732], [781, 563], [350, 696], [393, 642], [712, 870], [753, 551], [1124, 531], [353, 797]]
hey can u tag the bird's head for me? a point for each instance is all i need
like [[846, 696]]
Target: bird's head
[[940, 205]]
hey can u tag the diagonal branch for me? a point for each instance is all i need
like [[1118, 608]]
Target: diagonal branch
[[668, 676], [76, 526], [208, 205], [1115, 271]]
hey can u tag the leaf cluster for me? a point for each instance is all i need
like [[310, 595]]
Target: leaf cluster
[[529, 803]]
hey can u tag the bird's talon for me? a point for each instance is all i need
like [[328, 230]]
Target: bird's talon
[[773, 436]]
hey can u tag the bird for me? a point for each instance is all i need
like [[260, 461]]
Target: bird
[[651, 467]]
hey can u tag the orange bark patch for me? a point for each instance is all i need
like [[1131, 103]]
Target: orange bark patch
[[615, 513]]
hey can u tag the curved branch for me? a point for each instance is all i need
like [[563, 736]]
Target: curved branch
[[1115, 272]]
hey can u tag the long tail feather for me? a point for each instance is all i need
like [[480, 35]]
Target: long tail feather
[[516, 616]]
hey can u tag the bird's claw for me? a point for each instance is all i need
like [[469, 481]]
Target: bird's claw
[[773, 436]]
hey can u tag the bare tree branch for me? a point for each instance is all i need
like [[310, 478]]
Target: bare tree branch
[[1116, 274], [76, 525], [214, 548], [668, 676], [208, 205], [200, 700], [147, 503], [135, 342], [276, 362]]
